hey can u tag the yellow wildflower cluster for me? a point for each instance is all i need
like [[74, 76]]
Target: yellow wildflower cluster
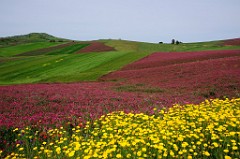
[[208, 130]]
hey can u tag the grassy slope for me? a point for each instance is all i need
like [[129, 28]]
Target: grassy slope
[[69, 49], [88, 66], [58, 68], [138, 50], [14, 50], [29, 38], [151, 47]]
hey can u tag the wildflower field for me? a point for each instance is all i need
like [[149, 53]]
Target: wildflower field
[[129, 100], [207, 130], [191, 74]]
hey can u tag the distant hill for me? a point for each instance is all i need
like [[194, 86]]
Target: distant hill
[[29, 38]]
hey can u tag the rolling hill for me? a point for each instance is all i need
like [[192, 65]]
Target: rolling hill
[[37, 60], [76, 87], [29, 38], [10, 46]]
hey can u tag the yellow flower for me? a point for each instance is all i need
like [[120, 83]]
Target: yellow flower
[[234, 147], [165, 154], [139, 153], [226, 150], [172, 153], [194, 147], [119, 156], [180, 138], [58, 150], [71, 154], [180, 152], [215, 144], [189, 157], [21, 149], [175, 147], [227, 157], [189, 125], [206, 153], [184, 144], [16, 129], [86, 157], [144, 149]]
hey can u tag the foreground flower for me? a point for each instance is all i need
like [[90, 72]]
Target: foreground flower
[[210, 129]]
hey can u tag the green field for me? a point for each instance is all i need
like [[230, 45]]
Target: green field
[[60, 68], [63, 65], [153, 47], [68, 50], [21, 48]]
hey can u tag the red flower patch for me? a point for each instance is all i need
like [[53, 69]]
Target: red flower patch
[[96, 47]]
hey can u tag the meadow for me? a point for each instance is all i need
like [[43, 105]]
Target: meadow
[[14, 50], [118, 99]]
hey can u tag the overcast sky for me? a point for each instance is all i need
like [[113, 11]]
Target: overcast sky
[[140, 20]]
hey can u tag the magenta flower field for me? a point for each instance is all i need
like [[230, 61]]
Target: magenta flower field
[[54, 103], [159, 80], [190, 74], [45, 119]]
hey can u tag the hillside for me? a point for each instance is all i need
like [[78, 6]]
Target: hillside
[[188, 74], [29, 38], [45, 61], [132, 77], [47, 100]]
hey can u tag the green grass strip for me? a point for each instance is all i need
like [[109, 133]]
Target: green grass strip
[[68, 50], [18, 49]]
